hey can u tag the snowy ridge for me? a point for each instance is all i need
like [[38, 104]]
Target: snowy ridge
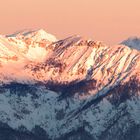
[[73, 88]]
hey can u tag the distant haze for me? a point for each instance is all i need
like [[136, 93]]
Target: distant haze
[[110, 21]]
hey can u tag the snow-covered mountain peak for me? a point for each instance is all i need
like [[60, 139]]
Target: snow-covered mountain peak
[[35, 35], [41, 34], [75, 40], [132, 42], [72, 57]]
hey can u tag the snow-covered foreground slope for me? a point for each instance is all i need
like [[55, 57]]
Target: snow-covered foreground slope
[[71, 89]]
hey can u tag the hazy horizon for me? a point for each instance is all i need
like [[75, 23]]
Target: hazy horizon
[[108, 21]]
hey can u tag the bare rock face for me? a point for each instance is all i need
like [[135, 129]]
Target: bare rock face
[[71, 89]]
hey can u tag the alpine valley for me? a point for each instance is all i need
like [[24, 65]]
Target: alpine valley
[[70, 89]]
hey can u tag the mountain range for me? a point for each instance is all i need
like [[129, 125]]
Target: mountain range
[[69, 89]]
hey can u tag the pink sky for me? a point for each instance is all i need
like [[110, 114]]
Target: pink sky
[[110, 21]]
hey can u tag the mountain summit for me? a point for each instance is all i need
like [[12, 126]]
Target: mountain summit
[[36, 35], [132, 42], [70, 89]]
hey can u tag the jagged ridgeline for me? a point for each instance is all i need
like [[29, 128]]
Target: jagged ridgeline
[[69, 89]]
